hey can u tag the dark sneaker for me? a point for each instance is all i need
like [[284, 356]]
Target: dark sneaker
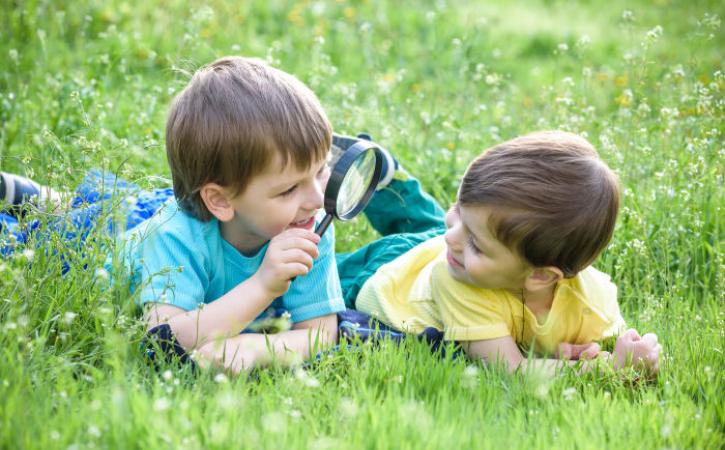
[[16, 190]]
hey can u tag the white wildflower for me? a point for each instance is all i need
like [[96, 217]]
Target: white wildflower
[[161, 404], [274, 422], [569, 393], [94, 431], [221, 378], [306, 379], [28, 254], [101, 274], [68, 317]]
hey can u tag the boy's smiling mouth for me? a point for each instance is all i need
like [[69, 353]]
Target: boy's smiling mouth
[[453, 261], [306, 223]]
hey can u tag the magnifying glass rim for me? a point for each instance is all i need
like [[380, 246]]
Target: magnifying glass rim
[[338, 175]]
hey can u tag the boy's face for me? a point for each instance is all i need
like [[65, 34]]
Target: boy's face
[[281, 197], [475, 256]]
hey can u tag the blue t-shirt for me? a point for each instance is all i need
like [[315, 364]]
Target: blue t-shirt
[[179, 260]]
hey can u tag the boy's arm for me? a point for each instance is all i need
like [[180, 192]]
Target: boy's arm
[[245, 351], [631, 350], [289, 254], [325, 325], [505, 350], [221, 318]]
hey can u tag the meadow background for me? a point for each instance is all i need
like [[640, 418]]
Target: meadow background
[[86, 84]]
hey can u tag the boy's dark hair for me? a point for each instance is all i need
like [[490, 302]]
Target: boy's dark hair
[[552, 200], [231, 119]]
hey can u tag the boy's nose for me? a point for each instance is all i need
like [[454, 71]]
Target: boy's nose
[[315, 196], [452, 238]]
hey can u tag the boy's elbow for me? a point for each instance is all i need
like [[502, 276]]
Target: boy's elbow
[[332, 335]]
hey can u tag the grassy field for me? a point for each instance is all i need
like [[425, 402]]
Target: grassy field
[[86, 84]]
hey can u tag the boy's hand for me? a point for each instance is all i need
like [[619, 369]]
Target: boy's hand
[[638, 351], [290, 254], [578, 351]]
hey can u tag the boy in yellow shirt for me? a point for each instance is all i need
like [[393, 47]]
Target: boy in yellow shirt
[[508, 270]]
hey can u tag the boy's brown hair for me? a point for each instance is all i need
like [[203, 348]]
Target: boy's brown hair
[[231, 119], [552, 200]]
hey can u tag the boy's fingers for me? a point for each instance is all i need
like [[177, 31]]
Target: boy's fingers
[[564, 351], [301, 232], [591, 351], [297, 256], [298, 243], [630, 335], [297, 269], [650, 338]]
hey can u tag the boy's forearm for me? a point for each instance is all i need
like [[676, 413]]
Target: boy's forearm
[[225, 317], [245, 351]]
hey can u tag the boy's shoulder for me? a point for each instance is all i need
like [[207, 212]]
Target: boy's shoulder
[[170, 224], [596, 290]]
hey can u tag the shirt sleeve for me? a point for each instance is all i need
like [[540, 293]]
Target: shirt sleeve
[[466, 314], [599, 294], [318, 293], [168, 268]]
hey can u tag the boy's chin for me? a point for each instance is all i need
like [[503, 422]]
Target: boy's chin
[[455, 274]]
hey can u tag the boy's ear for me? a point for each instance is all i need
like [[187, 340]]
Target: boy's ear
[[543, 277], [216, 200]]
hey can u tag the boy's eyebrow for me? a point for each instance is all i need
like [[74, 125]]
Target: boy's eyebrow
[[286, 185]]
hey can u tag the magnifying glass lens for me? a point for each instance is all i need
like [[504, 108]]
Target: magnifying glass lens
[[355, 184]]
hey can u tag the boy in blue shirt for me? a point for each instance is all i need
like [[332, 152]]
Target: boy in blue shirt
[[248, 148]]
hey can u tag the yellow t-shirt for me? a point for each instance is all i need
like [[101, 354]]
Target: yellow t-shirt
[[415, 291]]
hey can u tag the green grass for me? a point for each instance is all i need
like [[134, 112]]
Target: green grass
[[86, 84]]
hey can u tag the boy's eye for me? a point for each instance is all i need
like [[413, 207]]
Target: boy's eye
[[288, 191], [472, 245]]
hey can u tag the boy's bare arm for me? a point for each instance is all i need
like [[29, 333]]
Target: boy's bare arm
[[505, 350], [630, 350], [289, 254], [225, 317], [245, 351]]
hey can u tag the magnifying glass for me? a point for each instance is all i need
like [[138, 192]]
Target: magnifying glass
[[352, 182]]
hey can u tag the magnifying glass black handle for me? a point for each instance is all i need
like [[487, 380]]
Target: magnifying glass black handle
[[324, 223]]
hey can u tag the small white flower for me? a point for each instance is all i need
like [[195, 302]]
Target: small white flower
[[161, 404], [654, 33], [167, 375], [306, 379], [274, 422], [101, 274], [68, 317], [221, 378], [94, 431], [28, 254], [348, 407], [569, 393]]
